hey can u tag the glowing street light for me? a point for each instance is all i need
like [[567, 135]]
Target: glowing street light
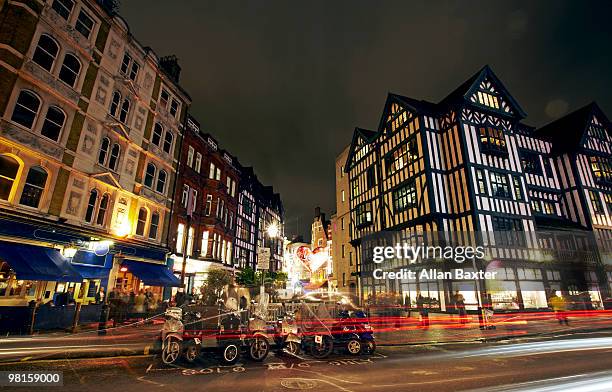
[[273, 230]]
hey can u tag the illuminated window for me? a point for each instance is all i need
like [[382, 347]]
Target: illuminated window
[[185, 196], [481, 182], [548, 207], [208, 204], [492, 141], [596, 202], [608, 200], [190, 153], [46, 52], [180, 235], [602, 169], [536, 206], [198, 162], [517, 188], [363, 214], [499, 185], [355, 188], [70, 70], [204, 250], [9, 168], [404, 197], [343, 196], [403, 156], [487, 99], [530, 162], [190, 241], [26, 109], [34, 187]]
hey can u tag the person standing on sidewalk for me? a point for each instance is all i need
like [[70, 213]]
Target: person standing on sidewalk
[[559, 306], [460, 305], [423, 311]]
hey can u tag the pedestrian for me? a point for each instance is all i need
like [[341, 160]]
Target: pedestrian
[[559, 306], [423, 311], [180, 297], [460, 305], [139, 302], [100, 296]]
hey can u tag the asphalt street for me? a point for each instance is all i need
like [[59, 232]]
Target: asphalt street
[[559, 363]]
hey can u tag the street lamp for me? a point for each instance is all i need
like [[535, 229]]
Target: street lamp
[[273, 230]]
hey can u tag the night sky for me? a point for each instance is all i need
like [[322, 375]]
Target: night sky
[[282, 84]]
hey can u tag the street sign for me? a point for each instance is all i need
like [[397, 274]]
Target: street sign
[[263, 258]]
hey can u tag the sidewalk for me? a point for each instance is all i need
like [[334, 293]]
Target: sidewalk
[[447, 328]]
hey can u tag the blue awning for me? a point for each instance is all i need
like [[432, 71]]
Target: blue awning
[[92, 272], [152, 274], [38, 263]]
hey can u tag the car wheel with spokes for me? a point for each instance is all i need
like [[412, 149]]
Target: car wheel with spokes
[[323, 349], [293, 348], [259, 348], [353, 346], [171, 350], [192, 351], [230, 353]]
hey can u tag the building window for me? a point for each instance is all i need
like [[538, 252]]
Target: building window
[[163, 98], [211, 173], [530, 162], [46, 52], [218, 174], [481, 182], [125, 109], [158, 130], [351, 259], [190, 153], [91, 206], [194, 200], [104, 146], [114, 157], [115, 101], [26, 109], [371, 177], [142, 221], [185, 195], [198, 162], [536, 206], [343, 196], [492, 141], [150, 175], [84, 24], [342, 223], [9, 168], [161, 181], [596, 202], [341, 171], [548, 207], [518, 189], [364, 214], [602, 169], [342, 253], [180, 235], [204, 250], [190, 234], [174, 106], [70, 70], [355, 188], [154, 226], [608, 200], [129, 67], [228, 185], [401, 157], [63, 7], [548, 168], [34, 187], [208, 204], [499, 185], [487, 99], [508, 231], [102, 209], [404, 197], [54, 121], [168, 142]]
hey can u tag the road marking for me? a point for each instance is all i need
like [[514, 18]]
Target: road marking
[[308, 381], [141, 378], [75, 359], [25, 359]]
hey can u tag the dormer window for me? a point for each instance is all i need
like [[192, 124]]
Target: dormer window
[[487, 99], [492, 141]]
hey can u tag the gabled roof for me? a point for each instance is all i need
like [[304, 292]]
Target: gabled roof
[[567, 132], [467, 88], [359, 133]]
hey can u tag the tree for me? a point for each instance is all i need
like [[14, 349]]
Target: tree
[[216, 281], [246, 277]]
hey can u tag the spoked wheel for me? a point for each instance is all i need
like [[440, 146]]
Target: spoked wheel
[[259, 348], [323, 349], [171, 351], [369, 347], [353, 346], [292, 348], [230, 353], [192, 351]]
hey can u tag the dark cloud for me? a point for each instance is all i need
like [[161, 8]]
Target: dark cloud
[[282, 84]]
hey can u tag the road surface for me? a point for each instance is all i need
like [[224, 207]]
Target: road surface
[[555, 364]]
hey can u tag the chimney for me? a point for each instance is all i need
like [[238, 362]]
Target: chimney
[[171, 66], [317, 212]]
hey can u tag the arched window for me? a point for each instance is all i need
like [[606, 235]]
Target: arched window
[[34, 187], [115, 101], [69, 72], [102, 209], [157, 134], [54, 121], [91, 205], [26, 109], [150, 175], [153, 227], [104, 146], [114, 157], [168, 142], [46, 52], [142, 221], [125, 109], [161, 181], [9, 167]]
